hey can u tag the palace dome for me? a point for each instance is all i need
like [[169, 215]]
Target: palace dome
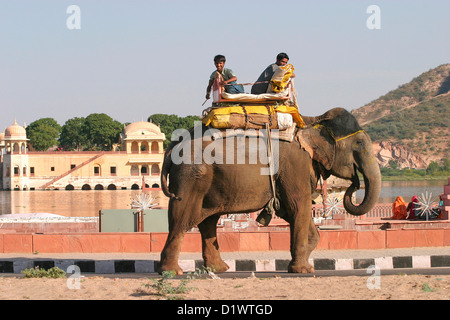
[[141, 128], [15, 131]]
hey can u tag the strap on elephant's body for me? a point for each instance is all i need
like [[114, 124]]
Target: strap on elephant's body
[[274, 204], [247, 120], [318, 125]]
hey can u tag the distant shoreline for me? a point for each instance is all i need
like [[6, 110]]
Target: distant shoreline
[[415, 178]]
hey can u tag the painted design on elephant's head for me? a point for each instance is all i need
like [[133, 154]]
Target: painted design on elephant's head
[[340, 147]]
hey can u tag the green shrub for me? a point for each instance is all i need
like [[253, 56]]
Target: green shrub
[[164, 288], [38, 272]]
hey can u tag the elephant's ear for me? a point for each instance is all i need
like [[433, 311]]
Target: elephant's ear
[[319, 143]]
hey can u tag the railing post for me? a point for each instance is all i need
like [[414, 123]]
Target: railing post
[[446, 200]]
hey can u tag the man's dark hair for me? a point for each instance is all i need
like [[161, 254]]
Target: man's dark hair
[[282, 56], [219, 58]]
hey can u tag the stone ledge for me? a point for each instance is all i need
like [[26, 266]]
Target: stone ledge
[[261, 241], [258, 265]]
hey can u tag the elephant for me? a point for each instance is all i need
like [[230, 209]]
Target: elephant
[[330, 144]]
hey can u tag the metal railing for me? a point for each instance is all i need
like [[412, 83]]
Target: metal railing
[[380, 210]]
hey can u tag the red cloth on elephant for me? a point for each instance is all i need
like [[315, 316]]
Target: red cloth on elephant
[[399, 209], [412, 208]]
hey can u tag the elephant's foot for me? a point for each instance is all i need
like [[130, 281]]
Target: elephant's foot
[[170, 267], [300, 267], [217, 266]]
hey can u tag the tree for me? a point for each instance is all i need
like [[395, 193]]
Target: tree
[[43, 133], [433, 168], [101, 131], [445, 164], [72, 136], [393, 164]]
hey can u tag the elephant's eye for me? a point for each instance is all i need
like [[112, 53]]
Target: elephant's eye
[[359, 143]]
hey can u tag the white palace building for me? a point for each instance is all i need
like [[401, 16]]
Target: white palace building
[[138, 159]]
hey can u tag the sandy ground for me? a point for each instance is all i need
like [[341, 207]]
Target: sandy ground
[[386, 287]]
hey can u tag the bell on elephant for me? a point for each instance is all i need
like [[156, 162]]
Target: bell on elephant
[[265, 216]]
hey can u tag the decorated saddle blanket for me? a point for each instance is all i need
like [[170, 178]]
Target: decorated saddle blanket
[[284, 135], [279, 117]]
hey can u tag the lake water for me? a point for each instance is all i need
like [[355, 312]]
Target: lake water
[[81, 203], [75, 203], [390, 190]]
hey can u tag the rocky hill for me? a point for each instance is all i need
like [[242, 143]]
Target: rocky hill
[[411, 124]]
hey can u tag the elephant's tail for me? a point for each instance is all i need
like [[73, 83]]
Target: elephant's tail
[[165, 172]]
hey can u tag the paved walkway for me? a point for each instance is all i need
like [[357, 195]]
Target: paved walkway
[[100, 263]]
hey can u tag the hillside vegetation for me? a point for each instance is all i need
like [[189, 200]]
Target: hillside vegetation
[[415, 116]]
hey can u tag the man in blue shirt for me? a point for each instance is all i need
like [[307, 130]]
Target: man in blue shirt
[[262, 83], [229, 78]]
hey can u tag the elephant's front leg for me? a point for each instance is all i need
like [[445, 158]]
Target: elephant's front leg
[[300, 233], [210, 246], [170, 253]]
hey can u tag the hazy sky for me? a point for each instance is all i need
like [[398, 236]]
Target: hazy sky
[[131, 59]]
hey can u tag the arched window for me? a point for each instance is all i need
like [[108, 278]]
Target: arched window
[[155, 147], [144, 170], [16, 148], [97, 170], [144, 147], [134, 147], [134, 170], [155, 170]]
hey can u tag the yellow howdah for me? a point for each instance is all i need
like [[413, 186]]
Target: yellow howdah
[[220, 118]]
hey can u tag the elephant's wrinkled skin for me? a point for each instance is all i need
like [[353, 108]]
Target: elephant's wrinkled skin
[[200, 193]]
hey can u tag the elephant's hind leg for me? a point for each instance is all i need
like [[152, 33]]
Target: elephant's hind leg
[[210, 246], [302, 238]]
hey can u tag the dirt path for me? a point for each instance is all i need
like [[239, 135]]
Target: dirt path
[[408, 287]]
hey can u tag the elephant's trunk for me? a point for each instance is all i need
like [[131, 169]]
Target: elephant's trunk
[[372, 182]]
